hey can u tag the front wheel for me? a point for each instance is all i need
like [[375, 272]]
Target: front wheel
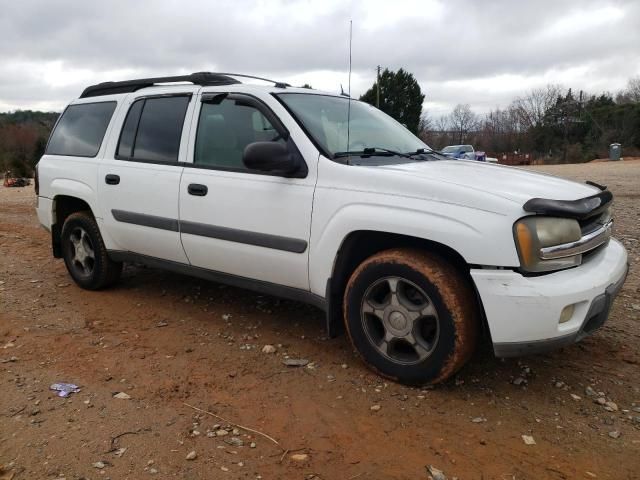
[[85, 254], [411, 315]]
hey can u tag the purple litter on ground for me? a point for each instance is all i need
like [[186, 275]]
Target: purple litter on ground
[[64, 389]]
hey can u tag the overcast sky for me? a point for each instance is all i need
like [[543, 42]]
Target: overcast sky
[[483, 53]]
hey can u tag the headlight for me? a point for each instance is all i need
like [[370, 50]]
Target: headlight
[[534, 233]]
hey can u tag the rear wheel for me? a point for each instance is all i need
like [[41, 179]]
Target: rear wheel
[[411, 315], [85, 254]]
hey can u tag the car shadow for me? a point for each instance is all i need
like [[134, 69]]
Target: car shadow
[[294, 322]]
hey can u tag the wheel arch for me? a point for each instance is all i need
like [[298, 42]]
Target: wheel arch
[[62, 207], [360, 245]]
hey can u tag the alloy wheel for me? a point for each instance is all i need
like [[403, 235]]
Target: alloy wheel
[[400, 320], [83, 258]]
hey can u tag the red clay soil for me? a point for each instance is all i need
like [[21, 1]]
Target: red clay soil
[[166, 340]]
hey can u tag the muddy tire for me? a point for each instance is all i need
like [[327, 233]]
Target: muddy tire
[[411, 315], [85, 254]]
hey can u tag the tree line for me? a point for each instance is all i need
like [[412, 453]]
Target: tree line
[[551, 123], [23, 138]]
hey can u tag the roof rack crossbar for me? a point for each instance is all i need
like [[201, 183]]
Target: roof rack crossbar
[[241, 75], [198, 78], [127, 86]]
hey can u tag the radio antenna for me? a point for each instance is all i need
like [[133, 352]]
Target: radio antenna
[[349, 86]]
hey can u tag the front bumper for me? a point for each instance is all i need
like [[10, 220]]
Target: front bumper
[[523, 312]]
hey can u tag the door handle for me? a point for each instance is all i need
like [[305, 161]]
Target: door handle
[[112, 179], [197, 189]]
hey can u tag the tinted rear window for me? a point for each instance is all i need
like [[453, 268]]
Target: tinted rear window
[[153, 129], [80, 131]]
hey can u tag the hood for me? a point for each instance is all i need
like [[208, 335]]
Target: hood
[[512, 183]]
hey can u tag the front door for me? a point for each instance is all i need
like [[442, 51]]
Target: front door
[[238, 221]]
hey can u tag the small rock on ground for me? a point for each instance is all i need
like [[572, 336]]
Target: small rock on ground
[[268, 349], [612, 406], [192, 455], [295, 362], [528, 440], [299, 457], [234, 442], [435, 473]]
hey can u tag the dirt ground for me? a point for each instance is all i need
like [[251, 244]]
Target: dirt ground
[[167, 340]]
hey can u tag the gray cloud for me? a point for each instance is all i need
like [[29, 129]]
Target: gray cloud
[[461, 51]]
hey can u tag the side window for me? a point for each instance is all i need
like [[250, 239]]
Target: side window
[[225, 129], [153, 128], [81, 129]]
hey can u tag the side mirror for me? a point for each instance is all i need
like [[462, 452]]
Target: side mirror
[[270, 157]]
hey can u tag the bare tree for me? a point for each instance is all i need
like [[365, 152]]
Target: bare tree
[[425, 128], [501, 131], [442, 124], [632, 93], [532, 107], [440, 133], [426, 122], [463, 120]]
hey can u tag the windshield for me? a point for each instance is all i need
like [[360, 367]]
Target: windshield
[[325, 118], [449, 149]]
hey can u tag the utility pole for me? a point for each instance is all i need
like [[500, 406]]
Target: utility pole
[[378, 92]]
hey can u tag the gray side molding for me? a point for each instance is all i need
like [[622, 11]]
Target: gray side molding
[[145, 220], [265, 240], [276, 242]]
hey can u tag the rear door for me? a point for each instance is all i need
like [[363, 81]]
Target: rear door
[[139, 178], [240, 221]]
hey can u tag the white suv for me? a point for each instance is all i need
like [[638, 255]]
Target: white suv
[[327, 200]]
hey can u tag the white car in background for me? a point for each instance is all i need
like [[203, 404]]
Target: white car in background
[[323, 199]]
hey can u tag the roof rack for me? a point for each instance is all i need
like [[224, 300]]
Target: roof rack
[[198, 78], [275, 83]]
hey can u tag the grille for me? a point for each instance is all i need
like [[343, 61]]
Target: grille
[[590, 224]]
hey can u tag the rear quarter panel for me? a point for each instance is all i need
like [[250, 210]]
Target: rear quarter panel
[[75, 176]]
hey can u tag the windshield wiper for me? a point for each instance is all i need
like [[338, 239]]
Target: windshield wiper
[[371, 151], [424, 151], [427, 151]]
